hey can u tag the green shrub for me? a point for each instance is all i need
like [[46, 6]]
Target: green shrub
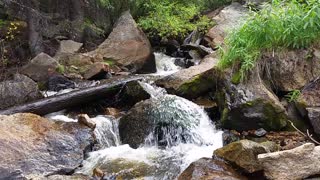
[[173, 19], [279, 25], [293, 96]]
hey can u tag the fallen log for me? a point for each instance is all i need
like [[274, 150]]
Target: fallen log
[[74, 98]]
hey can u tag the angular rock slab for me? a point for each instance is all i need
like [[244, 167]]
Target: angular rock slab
[[30, 144], [17, 91], [128, 46], [38, 67], [244, 153], [297, 163], [208, 169]]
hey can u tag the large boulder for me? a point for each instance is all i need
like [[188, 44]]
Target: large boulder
[[298, 163], [128, 46], [194, 81], [230, 17], [244, 153], [31, 144], [210, 169], [17, 91], [37, 68], [168, 113], [291, 69], [250, 105]]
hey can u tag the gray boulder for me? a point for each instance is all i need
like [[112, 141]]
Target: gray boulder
[[128, 46], [298, 163], [155, 117], [17, 91], [31, 144], [244, 153], [37, 68]]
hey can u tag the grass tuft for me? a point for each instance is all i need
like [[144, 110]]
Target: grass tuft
[[290, 24]]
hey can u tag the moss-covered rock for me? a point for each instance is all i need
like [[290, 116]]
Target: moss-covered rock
[[244, 153], [250, 105], [194, 81]]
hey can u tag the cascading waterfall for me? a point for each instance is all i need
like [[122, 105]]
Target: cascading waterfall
[[151, 161]]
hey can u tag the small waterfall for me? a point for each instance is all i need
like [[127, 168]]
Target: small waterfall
[[167, 151], [106, 131], [165, 64], [153, 162]]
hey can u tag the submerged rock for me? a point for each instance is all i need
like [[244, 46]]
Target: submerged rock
[[38, 67], [298, 163], [31, 144], [194, 81], [17, 91], [128, 46], [244, 153], [210, 169], [60, 177], [168, 118]]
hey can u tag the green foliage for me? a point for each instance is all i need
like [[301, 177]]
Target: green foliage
[[293, 96], [173, 18], [288, 24]]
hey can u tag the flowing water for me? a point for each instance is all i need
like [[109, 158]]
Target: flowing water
[[151, 161]]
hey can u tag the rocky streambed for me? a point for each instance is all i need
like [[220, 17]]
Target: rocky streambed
[[185, 118]]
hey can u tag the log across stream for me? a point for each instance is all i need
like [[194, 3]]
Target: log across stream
[[74, 98]]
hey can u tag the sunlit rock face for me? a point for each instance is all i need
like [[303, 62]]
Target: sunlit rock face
[[30, 144]]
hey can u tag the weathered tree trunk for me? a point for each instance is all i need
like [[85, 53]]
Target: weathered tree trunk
[[57, 103], [34, 26]]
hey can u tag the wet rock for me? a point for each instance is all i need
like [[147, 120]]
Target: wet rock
[[35, 145], [69, 47], [98, 173], [230, 137], [17, 91], [97, 71], [250, 105], [230, 17], [260, 132], [113, 112], [128, 46], [60, 177], [194, 81], [298, 163], [210, 169], [37, 68], [57, 82], [291, 69], [244, 154], [157, 115], [133, 93], [85, 120]]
